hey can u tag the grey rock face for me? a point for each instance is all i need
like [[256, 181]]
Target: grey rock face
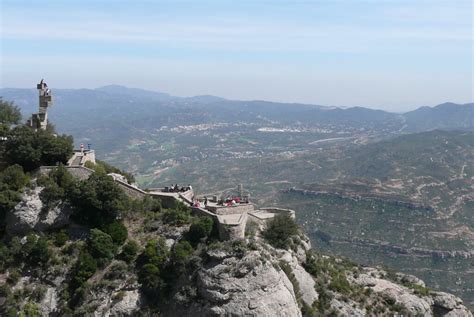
[[436, 303], [243, 287], [29, 214], [347, 308], [449, 305]]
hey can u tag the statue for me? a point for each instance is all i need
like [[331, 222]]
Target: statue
[[40, 120]]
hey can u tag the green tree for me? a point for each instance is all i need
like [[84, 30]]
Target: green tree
[[117, 231], [40, 253], [101, 166], [14, 178], [63, 178], [30, 309], [176, 217], [199, 230], [182, 251], [101, 245], [84, 268], [98, 200], [9, 113], [32, 149], [129, 251], [8, 200], [279, 231], [149, 277], [156, 252], [61, 238]]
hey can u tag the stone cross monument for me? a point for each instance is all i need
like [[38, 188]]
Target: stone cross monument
[[40, 120]]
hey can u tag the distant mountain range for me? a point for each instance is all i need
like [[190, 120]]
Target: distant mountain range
[[111, 114]]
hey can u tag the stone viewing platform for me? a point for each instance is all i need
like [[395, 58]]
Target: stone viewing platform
[[80, 157]]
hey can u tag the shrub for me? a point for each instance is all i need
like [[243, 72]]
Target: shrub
[[117, 270], [13, 276], [63, 178], [182, 251], [279, 231], [199, 230], [129, 251], [103, 167], [51, 193], [32, 149], [14, 178], [149, 277], [84, 268], [40, 253], [98, 200], [61, 238], [101, 245], [8, 200], [176, 217], [30, 310], [156, 252], [9, 113], [117, 231], [340, 284]]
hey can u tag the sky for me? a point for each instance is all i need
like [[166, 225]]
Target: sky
[[394, 55]]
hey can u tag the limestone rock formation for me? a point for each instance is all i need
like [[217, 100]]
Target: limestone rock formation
[[234, 286], [30, 214], [433, 303]]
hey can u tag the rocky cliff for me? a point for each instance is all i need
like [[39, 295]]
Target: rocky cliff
[[248, 277]]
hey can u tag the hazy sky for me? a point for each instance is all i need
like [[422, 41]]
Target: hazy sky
[[394, 55]]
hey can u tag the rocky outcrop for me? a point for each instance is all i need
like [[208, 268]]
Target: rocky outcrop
[[445, 304], [30, 214], [233, 286], [433, 303]]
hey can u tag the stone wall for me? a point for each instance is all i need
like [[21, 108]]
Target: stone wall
[[229, 210], [131, 191], [261, 216], [232, 231]]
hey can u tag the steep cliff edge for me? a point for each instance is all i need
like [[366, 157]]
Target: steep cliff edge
[[209, 277]]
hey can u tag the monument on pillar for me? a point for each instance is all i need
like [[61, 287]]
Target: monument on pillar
[[40, 120]]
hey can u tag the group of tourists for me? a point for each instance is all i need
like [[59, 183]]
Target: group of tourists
[[178, 189]]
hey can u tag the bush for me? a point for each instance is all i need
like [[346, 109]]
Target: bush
[[101, 245], [156, 252], [9, 113], [103, 167], [149, 277], [30, 310], [98, 200], [61, 238], [40, 253], [340, 284], [176, 217], [14, 178], [129, 251], [51, 193], [117, 231], [63, 178], [13, 276], [279, 231], [182, 251], [84, 268], [31, 149], [8, 200], [199, 230]]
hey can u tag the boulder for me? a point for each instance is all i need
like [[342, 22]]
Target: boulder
[[29, 214], [448, 305], [242, 287], [399, 294]]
